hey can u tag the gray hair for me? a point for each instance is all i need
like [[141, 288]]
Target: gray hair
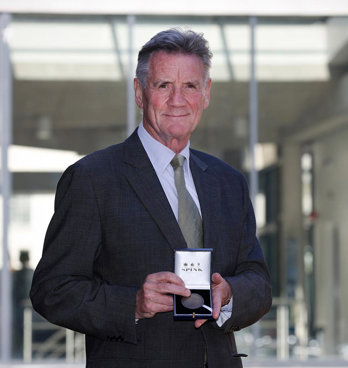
[[174, 41]]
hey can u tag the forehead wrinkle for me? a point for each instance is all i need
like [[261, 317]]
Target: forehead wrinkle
[[166, 68]]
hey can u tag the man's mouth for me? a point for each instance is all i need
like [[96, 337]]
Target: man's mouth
[[176, 115]]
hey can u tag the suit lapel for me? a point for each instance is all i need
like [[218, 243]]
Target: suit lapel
[[143, 179]]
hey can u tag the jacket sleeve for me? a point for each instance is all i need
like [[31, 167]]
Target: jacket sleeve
[[66, 290], [250, 283]]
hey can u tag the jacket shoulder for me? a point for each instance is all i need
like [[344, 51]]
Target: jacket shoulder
[[220, 167], [99, 159]]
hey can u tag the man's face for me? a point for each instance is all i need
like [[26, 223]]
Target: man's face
[[174, 97]]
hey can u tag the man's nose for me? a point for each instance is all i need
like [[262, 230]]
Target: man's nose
[[176, 97]]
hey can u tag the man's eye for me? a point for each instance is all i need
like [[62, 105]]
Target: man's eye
[[163, 85], [191, 85]]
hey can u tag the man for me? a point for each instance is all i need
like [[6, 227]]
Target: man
[[107, 264], [20, 293]]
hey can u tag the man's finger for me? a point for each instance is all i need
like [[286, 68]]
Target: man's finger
[[168, 288], [200, 322], [148, 303], [222, 293], [216, 303], [166, 283], [155, 294], [165, 276], [217, 278]]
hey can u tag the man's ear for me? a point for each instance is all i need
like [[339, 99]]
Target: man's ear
[[138, 93], [207, 93]]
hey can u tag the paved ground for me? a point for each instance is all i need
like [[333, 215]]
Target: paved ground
[[248, 363], [295, 364]]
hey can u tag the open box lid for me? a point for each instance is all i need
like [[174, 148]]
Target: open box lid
[[193, 267]]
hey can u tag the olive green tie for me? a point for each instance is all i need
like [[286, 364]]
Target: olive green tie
[[189, 218]]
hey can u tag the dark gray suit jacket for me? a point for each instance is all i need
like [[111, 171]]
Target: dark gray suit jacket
[[112, 227]]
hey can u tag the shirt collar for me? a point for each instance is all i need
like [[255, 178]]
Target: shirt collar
[[160, 155]]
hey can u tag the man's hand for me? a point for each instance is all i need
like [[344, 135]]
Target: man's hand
[[222, 294], [156, 294]]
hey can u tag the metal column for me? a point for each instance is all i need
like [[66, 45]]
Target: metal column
[[253, 137], [253, 113], [5, 141], [131, 123]]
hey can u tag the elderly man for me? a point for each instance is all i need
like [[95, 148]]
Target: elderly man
[[107, 264]]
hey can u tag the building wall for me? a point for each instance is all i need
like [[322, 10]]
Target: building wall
[[331, 238]]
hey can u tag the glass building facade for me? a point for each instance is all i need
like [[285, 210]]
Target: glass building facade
[[278, 113]]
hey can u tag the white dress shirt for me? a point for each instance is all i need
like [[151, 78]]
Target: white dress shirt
[[160, 157]]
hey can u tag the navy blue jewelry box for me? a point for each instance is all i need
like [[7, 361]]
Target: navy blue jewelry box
[[193, 266]]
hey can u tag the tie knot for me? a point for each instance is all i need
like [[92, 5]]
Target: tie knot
[[177, 161]]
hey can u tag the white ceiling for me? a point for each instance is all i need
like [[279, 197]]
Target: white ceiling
[[97, 49], [193, 7]]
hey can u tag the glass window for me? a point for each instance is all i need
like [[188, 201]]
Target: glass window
[[301, 68], [69, 99]]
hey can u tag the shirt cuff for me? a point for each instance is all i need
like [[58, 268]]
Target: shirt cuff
[[225, 313]]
